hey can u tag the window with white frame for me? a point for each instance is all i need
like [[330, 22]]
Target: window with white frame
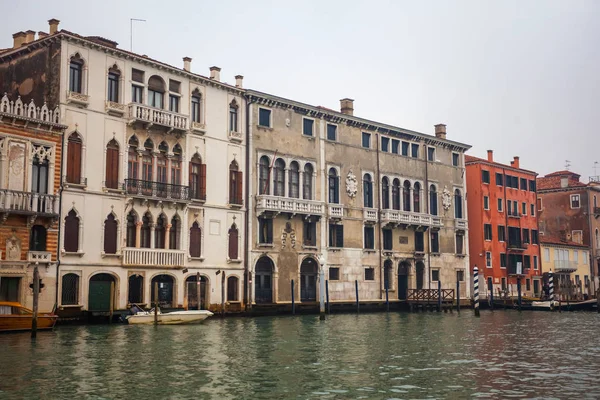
[[486, 202], [546, 254], [308, 126], [488, 259], [532, 209], [264, 117], [455, 159], [500, 205], [575, 201], [577, 236], [576, 256], [331, 132], [584, 255]]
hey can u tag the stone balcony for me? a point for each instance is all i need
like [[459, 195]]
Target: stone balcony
[[116, 109], [370, 215], [79, 99], [565, 266], [42, 257], [460, 224], [160, 258], [150, 116], [12, 201], [408, 218], [276, 205], [335, 211], [235, 136]]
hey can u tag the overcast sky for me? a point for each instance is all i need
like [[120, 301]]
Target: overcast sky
[[519, 77]]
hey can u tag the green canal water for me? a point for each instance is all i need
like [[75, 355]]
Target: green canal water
[[503, 354]]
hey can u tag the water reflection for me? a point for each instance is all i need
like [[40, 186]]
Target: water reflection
[[501, 355]]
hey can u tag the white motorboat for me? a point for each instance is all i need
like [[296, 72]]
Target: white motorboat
[[172, 318]]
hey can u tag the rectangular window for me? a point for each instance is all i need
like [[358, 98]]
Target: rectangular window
[[173, 103], [435, 275], [577, 236], [233, 117], [534, 236], [485, 176], [515, 182], [264, 117], [488, 259], [503, 283], [523, 184], [459, 243], [486, 203], [265, 228], [310, 233], [419, 241], [431, 153], [460, 275], [137, 75], [334, 274], [369, 274], [528, 284], [395, 146], [195, 108], [546, 255], [585, 257], [526, 262], [366, 140], [532, 210], [137, 94], [155, 99], [525, 235], [75, 77], [113, 87], [435, 242], [387, 239], [535, 262], [385, 144], [369, 233], [336, 235], [414, 150], [539, 204], [576, 256], [331, 132], [500, 205], [487, 231], [575, 201], [502, 260], [524, 208], [501, 233], [532, 187], [405, 147], [499, 179], [307, 126], [455, 159]]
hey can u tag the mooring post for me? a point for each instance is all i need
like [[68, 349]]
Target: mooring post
[[322, 294], [198, 291], [476, 290], [357, 303], [457, 295], [293, 303], [519, 292], [598, 300], [439, 296], [491, 289], [551, 288], [387, 297], [155, 303], [327, 296], [112, 302], [36, 296]]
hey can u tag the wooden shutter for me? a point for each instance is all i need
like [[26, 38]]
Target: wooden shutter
[[74, 161], [239, 188], [233, 243], [72, 233], [232, 187], [195, 241], [110, 236], [202, 182], [339, 232], [269, 223], [112, 168]]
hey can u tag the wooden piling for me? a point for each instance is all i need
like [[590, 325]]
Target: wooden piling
[[457, 296], [519, 293], [198, 290], [36, 296], [155, 303], [387, 298], [293, 303], [112, 302], [327, 296], [439, 296], [357, 300]]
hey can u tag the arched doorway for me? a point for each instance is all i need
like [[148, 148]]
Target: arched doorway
[[403, 269], [420, 275], [191, 286], [387, 274], [135, 289], [263, 285], [99, 292], [166, 285], [308, 280]]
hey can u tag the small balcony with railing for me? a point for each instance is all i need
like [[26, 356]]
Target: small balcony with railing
[[512, 214], [159, 258], [517, 245], [335, 211], [28, 203], [157, 190], [460, 224], [276, 205], [409, 218], [565, 266], [370, 215], [156, 117], [39, 257]]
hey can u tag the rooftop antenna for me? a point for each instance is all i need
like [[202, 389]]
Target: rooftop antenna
[[595, 168], [567, 164], [131, 31]]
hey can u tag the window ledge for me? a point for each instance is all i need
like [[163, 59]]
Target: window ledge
[[335, 249], [199, 201], [369, 250], [310, 247], [110, 255], [311, 138], [268, 245], [236, 261], [236, 205], [111, 190], [196, 258], [62, 307], [461, 255], [198, 127], [81, 186], [435, 254], [71, 253], [266, 128]]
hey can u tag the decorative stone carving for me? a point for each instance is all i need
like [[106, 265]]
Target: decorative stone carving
[[13, 248], [288, 232], [351, 185], [446, 198], [16, 165]]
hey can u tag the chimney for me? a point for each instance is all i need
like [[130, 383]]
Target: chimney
[[563, 235], [516, 162], [491, 155], [512, 163], [53, 25], [564, 181], [18, 39], [238, 81], [215, 73], [187, 64], [29, 36], [440, 131], [42, 35], [347, 106]]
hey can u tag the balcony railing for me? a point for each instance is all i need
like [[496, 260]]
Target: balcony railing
[[514, 245], [410, 218], [117, 109], [460, 224], [153, 257], [154, 116], [288, 205], [39, 256], [370, 214], [336, 211], [235, 136], [514, 215], [565, 266], [156, 189], [28, 202]]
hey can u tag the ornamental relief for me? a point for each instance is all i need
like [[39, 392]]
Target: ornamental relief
[[446, 199], [288, 232], [351, 185]]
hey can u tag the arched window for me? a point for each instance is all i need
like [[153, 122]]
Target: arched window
[[174, 233], [417, 198], [76, 74], [39, 177], [396, 194], [367, 191], [148, 166], [433, 208], [233, 116], [307, 179], [159, 232], [72, 232], [156, 90], [37, 238], [131, 229], [334, 186], [233, 242], [69, 290], [263, 173], [135, 289], [113, 84], [294, 180], [112, 165], [235, 184], [196, 106], [406, 196], [279, 178], [195, 240], [232, 288], [457, 204], [197, 178], [74, 145], [176, 169], [110, 235], [385, 193], [161, 166], [145, 231], [133, 164]]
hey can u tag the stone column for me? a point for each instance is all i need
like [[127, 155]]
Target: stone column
[[152, 233], [167, 236], [301, 184], [138, 234], [287, 181]]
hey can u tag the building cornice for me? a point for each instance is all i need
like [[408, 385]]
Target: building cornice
[[501, 166]]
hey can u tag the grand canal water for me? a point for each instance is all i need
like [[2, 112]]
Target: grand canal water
[[504, 354]]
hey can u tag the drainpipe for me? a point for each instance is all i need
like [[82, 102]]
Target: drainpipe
[[247, 304], [379, 217], [426, 201], [60, 198], [506, 232]]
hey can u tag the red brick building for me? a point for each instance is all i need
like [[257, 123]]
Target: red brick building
[[503, 225]]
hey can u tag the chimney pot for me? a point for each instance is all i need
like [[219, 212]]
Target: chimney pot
[[347, 106], [238, 81], [187, 63], [440, 131], [18, 39], [516, 162], [490, 155], [53, 23], [29, 36], [215, 73]]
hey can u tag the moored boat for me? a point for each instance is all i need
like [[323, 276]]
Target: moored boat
[[172, 318], [14, 317]]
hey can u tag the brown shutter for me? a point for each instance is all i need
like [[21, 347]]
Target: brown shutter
[[239, 188], [72, 233], [232, 186], [76, 162], [112, 168], [110, 236], [202, 181], [233, 243], [195, 238]]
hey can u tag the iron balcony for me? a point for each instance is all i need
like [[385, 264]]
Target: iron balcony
[[159, 190]]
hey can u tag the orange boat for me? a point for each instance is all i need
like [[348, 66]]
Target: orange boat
[[14, 317]]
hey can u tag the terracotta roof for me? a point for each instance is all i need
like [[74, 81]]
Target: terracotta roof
[[553, 180], [472, 159], [557, 241]]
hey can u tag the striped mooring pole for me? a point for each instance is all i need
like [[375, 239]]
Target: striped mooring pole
[[476, 290], [551, 286]]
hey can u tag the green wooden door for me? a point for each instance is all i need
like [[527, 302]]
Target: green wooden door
[[99, 299]]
